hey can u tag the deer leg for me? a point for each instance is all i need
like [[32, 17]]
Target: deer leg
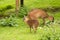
[[30, 29], [34, 29], [43, 21]]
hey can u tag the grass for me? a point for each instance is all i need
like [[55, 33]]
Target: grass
[[42, 3], [22, 32], [4, 3], [32, 3]]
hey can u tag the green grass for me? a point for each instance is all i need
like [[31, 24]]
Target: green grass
[[4, 3], [32, 3], [17, 33], [22, 32], [42, 3]]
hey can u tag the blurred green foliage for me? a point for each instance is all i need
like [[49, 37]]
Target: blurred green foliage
[[11, 21]]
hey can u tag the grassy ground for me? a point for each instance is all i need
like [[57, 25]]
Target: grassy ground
[[17, 33], [22, 32], [41, 3], [4, 3], [32, 3]]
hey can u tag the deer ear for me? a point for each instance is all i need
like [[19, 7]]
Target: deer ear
[[24, 17]]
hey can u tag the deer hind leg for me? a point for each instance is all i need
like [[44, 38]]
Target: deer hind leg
[[34, 29]]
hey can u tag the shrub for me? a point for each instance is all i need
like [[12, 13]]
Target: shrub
[[11, 21], [50, 36], [23, 11], [6, 8]]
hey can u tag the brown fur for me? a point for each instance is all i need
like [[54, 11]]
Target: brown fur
[[36, 13], [39, 13], [32, 23]]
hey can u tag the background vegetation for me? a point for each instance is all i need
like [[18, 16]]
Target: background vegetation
[[13, 28]]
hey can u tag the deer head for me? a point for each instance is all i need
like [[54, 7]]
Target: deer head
[[51, 18], [25, 18]]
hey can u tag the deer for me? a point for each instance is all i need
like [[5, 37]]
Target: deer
[[33, 24], [39, 13]]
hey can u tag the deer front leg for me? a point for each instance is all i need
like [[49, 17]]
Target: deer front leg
[[43, 22], [30, 29]]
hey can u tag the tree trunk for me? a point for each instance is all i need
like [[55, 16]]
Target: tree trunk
[[17, 6], [22, 3]]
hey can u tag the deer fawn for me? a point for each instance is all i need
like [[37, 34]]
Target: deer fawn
[[33, 24], [39, 13]]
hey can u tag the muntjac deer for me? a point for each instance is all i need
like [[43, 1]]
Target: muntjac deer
[[39, 13], [33, 24]]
